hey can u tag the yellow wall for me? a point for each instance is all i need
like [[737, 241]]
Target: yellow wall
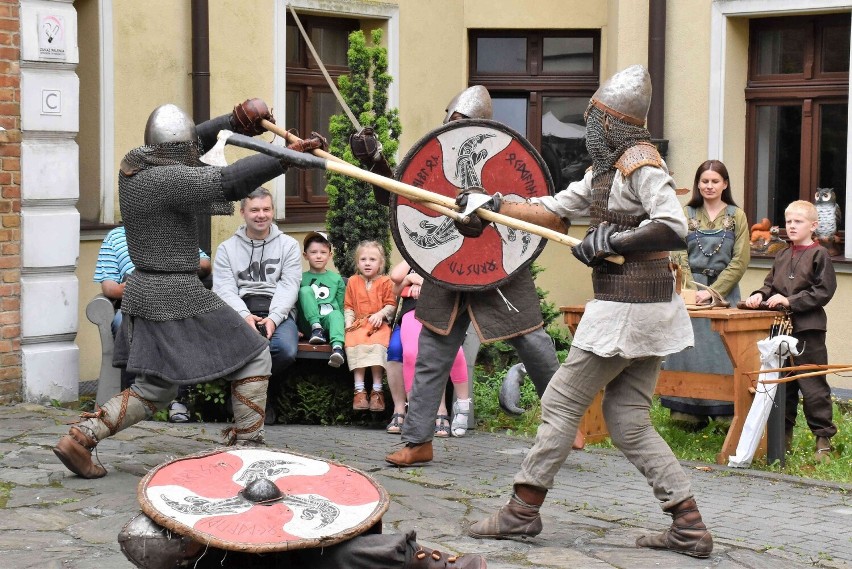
[[88, 340], [153, 61]]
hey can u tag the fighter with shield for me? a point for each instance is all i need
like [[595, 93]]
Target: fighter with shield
[[475, 272]]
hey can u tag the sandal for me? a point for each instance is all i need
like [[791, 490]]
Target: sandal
[[395, 426], [178, 413], [442, 426]]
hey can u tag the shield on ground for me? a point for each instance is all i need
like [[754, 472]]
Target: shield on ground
[[458, 155], [314, 502]]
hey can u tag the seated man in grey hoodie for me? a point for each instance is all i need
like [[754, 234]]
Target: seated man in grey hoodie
[[257, 272]]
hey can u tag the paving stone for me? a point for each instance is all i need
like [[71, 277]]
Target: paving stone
[[597, 508]]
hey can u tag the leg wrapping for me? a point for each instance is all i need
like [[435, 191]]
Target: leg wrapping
[[123, 410], [248, 397]]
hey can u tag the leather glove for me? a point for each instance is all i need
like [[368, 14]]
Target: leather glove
[[316, 140], [247, 116], [475, 226], [596, 245], [365, 146]]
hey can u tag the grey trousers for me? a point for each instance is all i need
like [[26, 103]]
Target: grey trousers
[[435, 358], [629, 387], [161, 392]]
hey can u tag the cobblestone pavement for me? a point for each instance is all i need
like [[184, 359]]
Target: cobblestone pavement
[[52, 519]]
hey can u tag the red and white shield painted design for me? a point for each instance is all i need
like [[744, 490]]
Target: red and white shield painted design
[[458, 155], [323, 502]]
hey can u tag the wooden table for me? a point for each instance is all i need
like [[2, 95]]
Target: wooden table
[[740, 331]]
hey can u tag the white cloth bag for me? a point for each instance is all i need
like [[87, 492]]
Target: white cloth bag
[[773, 352]]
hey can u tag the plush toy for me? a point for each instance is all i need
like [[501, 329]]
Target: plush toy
[[760, 234]]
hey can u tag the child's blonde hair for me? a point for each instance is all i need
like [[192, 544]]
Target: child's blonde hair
[[376, 245], [806, 208]]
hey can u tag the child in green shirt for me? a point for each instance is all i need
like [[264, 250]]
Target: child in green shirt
[[321, 298]]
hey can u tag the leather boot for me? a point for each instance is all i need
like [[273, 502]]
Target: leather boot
[[248, 399], [788, 440], [411, 453], [121, 411], [424, 558], [519, 517], [823, 450], [75, 452], [687, 534]]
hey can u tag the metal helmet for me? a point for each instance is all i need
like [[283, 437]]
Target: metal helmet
[[626, 95], [474, 103], [149, 545], [169, 123]]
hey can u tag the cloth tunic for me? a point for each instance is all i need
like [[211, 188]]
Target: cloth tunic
[[366, 346], [718, 257], [812, 286], [621, 328]]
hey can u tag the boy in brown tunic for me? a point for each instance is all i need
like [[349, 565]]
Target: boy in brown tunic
[[802, 279]]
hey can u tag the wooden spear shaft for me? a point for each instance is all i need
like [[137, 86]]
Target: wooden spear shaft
[[434, 206], [804, 375], [418, 194]]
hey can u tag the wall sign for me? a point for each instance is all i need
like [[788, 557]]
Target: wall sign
[[51, 36], [51, 102]]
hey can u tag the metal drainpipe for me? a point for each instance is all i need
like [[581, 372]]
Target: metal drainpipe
[[657, 70], [201, 89]]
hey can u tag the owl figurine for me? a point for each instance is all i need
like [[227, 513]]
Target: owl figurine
[[828, 212], [828, 220]]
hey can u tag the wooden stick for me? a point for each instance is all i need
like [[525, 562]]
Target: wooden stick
[[801, 367], [415, 193], [804, 375], [291, 138], [399, 188]]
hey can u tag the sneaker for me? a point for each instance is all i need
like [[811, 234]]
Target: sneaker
[[317, 336], [178, 413], [359, 402], [336, 358]]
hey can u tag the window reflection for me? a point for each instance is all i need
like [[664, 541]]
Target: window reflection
[[331, 44], [778, 160], [501, 55], [325, 105], [291, 178], [832, 149], [835, 49], [780, 51], [511, 111], [563, 139], [568, 55]]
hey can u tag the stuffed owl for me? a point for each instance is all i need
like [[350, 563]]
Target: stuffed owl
[[828, 212]]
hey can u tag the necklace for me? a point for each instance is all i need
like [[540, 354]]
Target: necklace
[[793, 265]]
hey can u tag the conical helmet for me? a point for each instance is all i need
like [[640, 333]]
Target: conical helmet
[[169, 123], [626, 95], [474, 103]]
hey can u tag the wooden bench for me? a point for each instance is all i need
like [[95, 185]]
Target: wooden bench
[[100, 312], [740, 331]]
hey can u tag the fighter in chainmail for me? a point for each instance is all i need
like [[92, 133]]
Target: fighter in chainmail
[[635, 319], [446, 314], [175, 331]]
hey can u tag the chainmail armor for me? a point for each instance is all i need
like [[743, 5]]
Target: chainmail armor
[[162, 189], [642, 280]]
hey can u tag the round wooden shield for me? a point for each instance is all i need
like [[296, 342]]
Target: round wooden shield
[[458, 155], [204, 497]]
